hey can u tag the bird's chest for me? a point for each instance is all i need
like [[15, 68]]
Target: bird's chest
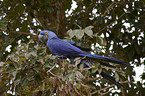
[[54, 47]]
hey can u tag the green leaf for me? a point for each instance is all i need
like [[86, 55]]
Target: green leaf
[[79, 74], [88, 31], [33, 53], [79, 33], [1, 64], [52, 57], [24, 83], [71, 33], [116, 76], [77, 60], [27, 55], [71, 77], [78, 85], [3, 24], [88, 63], [94, 70], [81, 67], [47, 65], [21, 59], [11, 69], [14, 74], [100, 70], [86, 86], [17, 81], [23, 66], [100, 41], [96, 64], [123, 74]]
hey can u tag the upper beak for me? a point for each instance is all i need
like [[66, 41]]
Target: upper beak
[[41, 38]]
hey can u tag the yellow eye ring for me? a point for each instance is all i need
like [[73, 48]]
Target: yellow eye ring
[[46, 32]]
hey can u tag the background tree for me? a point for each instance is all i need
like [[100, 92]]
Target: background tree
[[31, 69]]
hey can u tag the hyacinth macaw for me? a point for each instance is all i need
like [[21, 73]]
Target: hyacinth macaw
[[60, 47]]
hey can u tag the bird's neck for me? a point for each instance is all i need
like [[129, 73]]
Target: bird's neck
[[52, 37]]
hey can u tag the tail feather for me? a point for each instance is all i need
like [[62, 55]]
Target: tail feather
[[104, 75], [108, 59], [110, 78]]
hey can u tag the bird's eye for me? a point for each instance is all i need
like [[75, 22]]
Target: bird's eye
[[46, 32]]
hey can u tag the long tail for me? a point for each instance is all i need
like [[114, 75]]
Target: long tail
[[110, 78], [103, 74], [108, 59]]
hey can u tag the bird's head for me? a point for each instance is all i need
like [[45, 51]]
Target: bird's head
[[48, 34]]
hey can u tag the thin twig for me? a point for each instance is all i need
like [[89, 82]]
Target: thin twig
[[90, 79], [111, 6], [110, 24], [24, 33], [107, 87], [78, 25], [108, 8], [88, 68], [102, 89], [106, 92], [76, 90], [49, 71]]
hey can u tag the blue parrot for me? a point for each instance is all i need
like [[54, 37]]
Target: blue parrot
[[68, 49], [60, 47]]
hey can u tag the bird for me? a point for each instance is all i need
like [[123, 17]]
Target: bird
[[60, 47], [68, 49]]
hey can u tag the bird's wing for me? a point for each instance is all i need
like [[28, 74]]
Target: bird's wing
[[61, 47], [80, 47]]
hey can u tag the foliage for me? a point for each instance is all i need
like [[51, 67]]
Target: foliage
[[24, 70], [31, 71]]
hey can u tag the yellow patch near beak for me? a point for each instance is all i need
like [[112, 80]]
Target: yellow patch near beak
[[46, 36]]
